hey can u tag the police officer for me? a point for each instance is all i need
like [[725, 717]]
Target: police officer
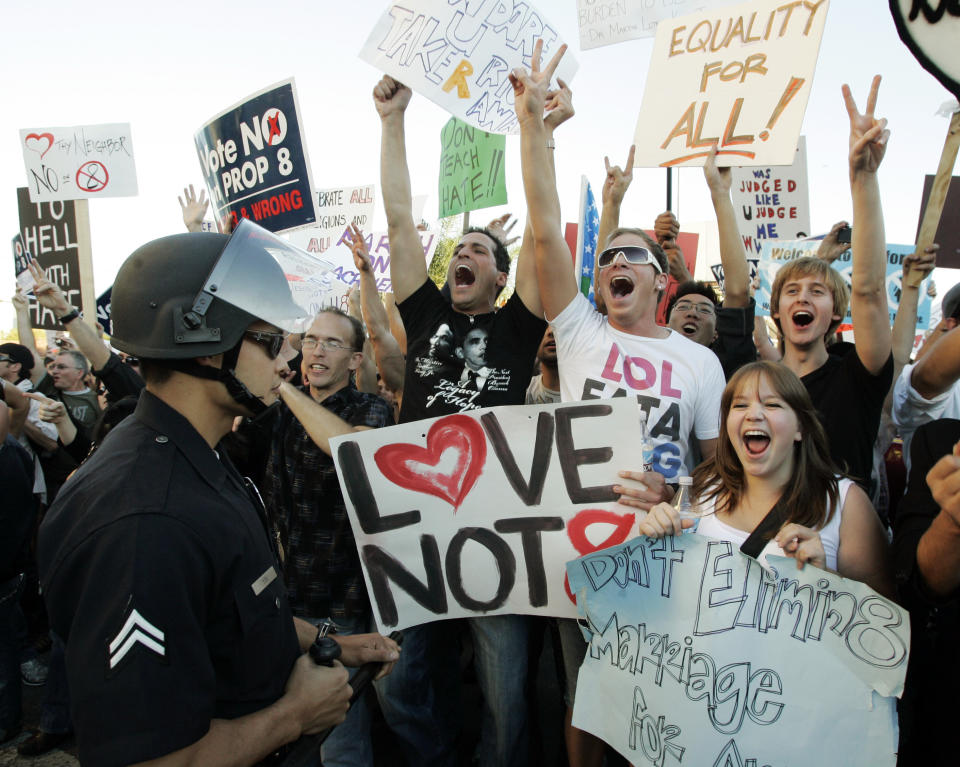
[[155, 559]]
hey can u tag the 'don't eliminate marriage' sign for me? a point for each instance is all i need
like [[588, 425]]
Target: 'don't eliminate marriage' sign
[[738, 77]]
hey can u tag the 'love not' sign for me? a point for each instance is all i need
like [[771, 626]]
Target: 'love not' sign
[[477, 514]]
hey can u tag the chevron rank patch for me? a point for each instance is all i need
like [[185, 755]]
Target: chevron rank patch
[[136, 630]]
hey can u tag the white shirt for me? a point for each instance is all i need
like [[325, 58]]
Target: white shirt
[[911, 411]]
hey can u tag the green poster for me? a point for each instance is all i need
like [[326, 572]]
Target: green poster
[[471, 168]]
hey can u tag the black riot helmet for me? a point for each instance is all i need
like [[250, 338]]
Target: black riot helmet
[[194, 295]]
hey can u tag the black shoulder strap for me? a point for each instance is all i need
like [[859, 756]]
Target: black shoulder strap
[[767, 528]]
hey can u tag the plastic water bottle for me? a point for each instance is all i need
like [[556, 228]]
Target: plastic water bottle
[[684, 505], [646, 444]]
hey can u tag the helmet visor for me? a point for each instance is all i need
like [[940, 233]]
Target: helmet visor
[[267, 277]]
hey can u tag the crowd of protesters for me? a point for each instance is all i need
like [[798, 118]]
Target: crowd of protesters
[[793, 456]]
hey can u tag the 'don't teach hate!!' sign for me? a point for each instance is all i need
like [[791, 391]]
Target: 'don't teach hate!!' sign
[[254, 161]]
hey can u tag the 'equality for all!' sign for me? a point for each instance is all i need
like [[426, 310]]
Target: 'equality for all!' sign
[[254, 160], [477, 513], [605, 22], [738, 77], [57, 235], [79, 163], [472, 169], [699, 655], [774, 255], [458, 54], [772, 203]]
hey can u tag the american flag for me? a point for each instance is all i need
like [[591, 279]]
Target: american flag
[[587, 232]]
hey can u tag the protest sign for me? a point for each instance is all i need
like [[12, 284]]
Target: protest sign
[[773, 255], [605, 22], [739, 78], [57, 235], [344, 205], [458, 54], [104, 305], [21, 259], [477, 513], [254, 160], [472, 169], [336, 252], [772, 202], [930, 28], [698, 655], [688, 244], [79, 163], [717, 270], [948, 231]]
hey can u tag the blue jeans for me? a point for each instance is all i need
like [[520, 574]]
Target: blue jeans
[[11, 624], [419, 698], [55, 709], [501, 651]]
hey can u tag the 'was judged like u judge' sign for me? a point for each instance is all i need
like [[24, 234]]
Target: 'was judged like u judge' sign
[[699, 655], [738, 77], [458, 54], [477, 514]]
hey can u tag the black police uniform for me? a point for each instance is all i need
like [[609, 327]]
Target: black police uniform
[[160, 575]]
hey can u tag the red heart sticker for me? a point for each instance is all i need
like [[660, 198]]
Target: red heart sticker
[[448, 467], [577, 533], [33, 145]]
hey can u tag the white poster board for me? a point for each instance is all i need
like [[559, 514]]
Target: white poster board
[[477, 513], [458, 54], [605, 22], [738, 77], [343, 205], [772, 203], [700, 656], [79, 163]]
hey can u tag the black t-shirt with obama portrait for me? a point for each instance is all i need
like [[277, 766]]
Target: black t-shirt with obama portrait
[[457, 362]]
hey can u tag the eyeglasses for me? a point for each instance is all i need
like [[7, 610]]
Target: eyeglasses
[[272, 342], [685, 306], [632, 254], [63, 367], [316, 343]]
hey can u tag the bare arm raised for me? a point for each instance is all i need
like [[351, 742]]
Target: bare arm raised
[[868, 297], [554, 274], [736, 271], [408, 270]]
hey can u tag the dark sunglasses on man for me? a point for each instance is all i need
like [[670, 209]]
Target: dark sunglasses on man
[[632, 254], [272, 342]]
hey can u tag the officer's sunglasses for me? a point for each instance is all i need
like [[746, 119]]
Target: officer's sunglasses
[[6, 359], [272, 342], [632, 254]]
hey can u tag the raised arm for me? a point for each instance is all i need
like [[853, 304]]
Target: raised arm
[[18, 404], [905, 324], [366, 374], [408, 269], [25, 334], [555, 275], [830, 246], [386, 350], [615, 187], [49, 295], [736, 271], [939, 368], [559, 109], [193, 208], [868, 296]]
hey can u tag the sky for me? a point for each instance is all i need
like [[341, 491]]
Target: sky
[[167, 68]]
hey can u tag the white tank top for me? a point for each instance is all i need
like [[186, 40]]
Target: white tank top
[[829, 535]]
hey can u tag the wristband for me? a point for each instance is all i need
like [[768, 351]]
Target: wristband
[[69, 316]]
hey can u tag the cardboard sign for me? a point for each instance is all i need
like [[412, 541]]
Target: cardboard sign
[[698, 655], [739, 77], [336, 251], [344, 205], [948, 231], [104, 306], [477, 513], [605, 22], [930, 29], [79, 163], [688, 244], [458, 54], [772, 202], [254, 160], [774, 254], [472, 169], [21, 259]]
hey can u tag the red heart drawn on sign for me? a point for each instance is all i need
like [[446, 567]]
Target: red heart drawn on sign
[[32, 142], [577, 533], [447, 467]]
